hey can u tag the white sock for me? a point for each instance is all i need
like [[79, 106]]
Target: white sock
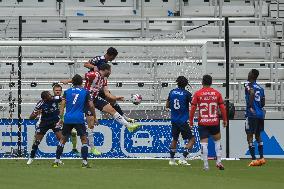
[[91, 138], [85, 162], [56, 160], [204, 153], [120, 119], [218, 150], [125, 117]]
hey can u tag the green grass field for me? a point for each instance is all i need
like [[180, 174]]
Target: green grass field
[[138, 174]]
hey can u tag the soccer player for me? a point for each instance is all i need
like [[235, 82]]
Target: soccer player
[[178, 102], [209, 100], [255, 101], [57, 91], [48, 107], [94, 65], [96, 81], [97, 61], [75, 99]]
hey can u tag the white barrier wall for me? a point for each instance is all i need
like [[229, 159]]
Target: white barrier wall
[[273, 139]]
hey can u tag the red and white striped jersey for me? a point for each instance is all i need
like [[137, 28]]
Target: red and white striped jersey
[[94, 82]]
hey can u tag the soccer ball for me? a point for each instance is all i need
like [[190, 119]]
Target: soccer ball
[[136, 99]]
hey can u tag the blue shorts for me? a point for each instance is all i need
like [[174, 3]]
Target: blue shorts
[[206, 131], [254, 125], [182, 129], [99, 102], [80, 128]]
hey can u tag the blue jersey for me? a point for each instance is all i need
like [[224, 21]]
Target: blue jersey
[[256, 105], [98, 61], [179, 100], [49, 109], [76, 100]]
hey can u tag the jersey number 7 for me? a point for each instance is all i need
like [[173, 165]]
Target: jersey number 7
[[75, 99]]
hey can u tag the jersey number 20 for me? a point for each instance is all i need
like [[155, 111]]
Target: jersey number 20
[[208, 109]]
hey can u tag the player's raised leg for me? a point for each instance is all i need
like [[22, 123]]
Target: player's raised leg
[[119, 118]]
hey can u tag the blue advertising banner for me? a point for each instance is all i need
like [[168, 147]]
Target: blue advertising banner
[[152, 140]]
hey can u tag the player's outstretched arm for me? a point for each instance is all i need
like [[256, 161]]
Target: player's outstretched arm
[[36, 111], [66, 81], [111, 96], [34, 114], [89, 65]]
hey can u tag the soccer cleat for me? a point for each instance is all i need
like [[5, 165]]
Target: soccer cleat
[[254, 163], [261, 161], [206, 168], [172, 162], [61, 162], [130, 120], [55, 164], [86, 165], [95, 151], [76, 152], [183, 162], [133, 127], [30, 161], [220, 166]]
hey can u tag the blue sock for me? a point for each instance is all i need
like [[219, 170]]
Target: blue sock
[[172, 153], [34, 148], [252, 151], [185, 152], [260, 149], [59, 150], [84, 151]]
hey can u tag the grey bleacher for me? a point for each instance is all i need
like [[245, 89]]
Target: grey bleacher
[[74, 19]]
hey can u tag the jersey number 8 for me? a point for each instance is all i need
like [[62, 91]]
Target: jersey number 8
[[176, 104]]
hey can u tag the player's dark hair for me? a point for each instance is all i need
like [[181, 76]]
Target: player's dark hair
[[44, 95], [56, 85], [182, 82], [104, 67], [207, 80], [255, 73], [112, 51], [77, 80]]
